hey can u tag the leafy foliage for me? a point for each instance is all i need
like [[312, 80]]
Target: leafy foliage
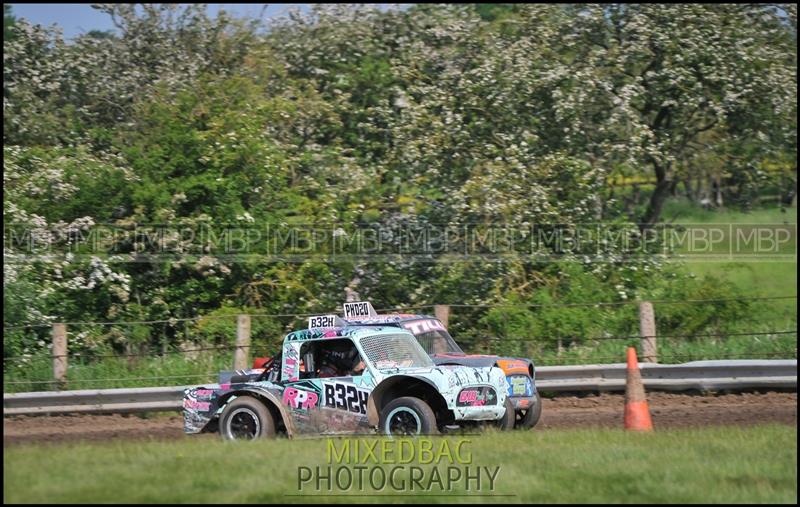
[[349, 115]]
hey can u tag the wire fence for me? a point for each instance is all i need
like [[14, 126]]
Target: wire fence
[[123, 355], [108, 380], [619, 303], [261, 349], [175, 320]]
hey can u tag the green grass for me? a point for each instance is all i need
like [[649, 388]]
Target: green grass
[[681, 211], [760, 279], [719, 465], [755, 277], [734, 234], [676, 350]]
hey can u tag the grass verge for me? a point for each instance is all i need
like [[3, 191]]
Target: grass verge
[[36, 374], [719, 465]]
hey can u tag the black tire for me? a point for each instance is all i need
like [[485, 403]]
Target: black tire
[[407, 416], [246, 418], [506, 423], [532, 415]]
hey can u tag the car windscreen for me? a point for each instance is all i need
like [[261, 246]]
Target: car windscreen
[[399, 350], [433, 336]]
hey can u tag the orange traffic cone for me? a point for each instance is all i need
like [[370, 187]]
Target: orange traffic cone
[[637, 414]]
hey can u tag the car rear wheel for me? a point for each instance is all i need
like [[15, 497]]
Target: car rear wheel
[[506, 423], [246, 418], [532, 415], [407, 416]]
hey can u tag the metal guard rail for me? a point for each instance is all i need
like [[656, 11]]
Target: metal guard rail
[[697, 375]]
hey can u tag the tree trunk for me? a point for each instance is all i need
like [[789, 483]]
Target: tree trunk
[[598, 207], [673, 188], [657, 199], [687, 188], [789, 196], [717, 185]]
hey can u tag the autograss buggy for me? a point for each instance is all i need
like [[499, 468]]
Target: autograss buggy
[[336, 378]]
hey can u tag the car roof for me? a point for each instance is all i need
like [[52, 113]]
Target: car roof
[[390, 318], [354, 332]]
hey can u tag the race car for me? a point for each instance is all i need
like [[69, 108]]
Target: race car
[[337, 378], [437, 342]]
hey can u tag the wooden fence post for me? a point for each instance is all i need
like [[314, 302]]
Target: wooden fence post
[[647, 330], [60, 354], [442, 312], [241, 354]]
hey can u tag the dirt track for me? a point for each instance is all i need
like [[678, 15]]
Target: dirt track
[[673, 410], [604, 410]]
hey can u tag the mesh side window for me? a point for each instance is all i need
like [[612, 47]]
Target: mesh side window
[[436, 342]]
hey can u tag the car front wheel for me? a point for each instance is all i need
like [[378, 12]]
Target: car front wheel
[[407, 416]]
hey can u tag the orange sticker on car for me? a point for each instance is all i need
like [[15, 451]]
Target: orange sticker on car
[[513, 366]]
